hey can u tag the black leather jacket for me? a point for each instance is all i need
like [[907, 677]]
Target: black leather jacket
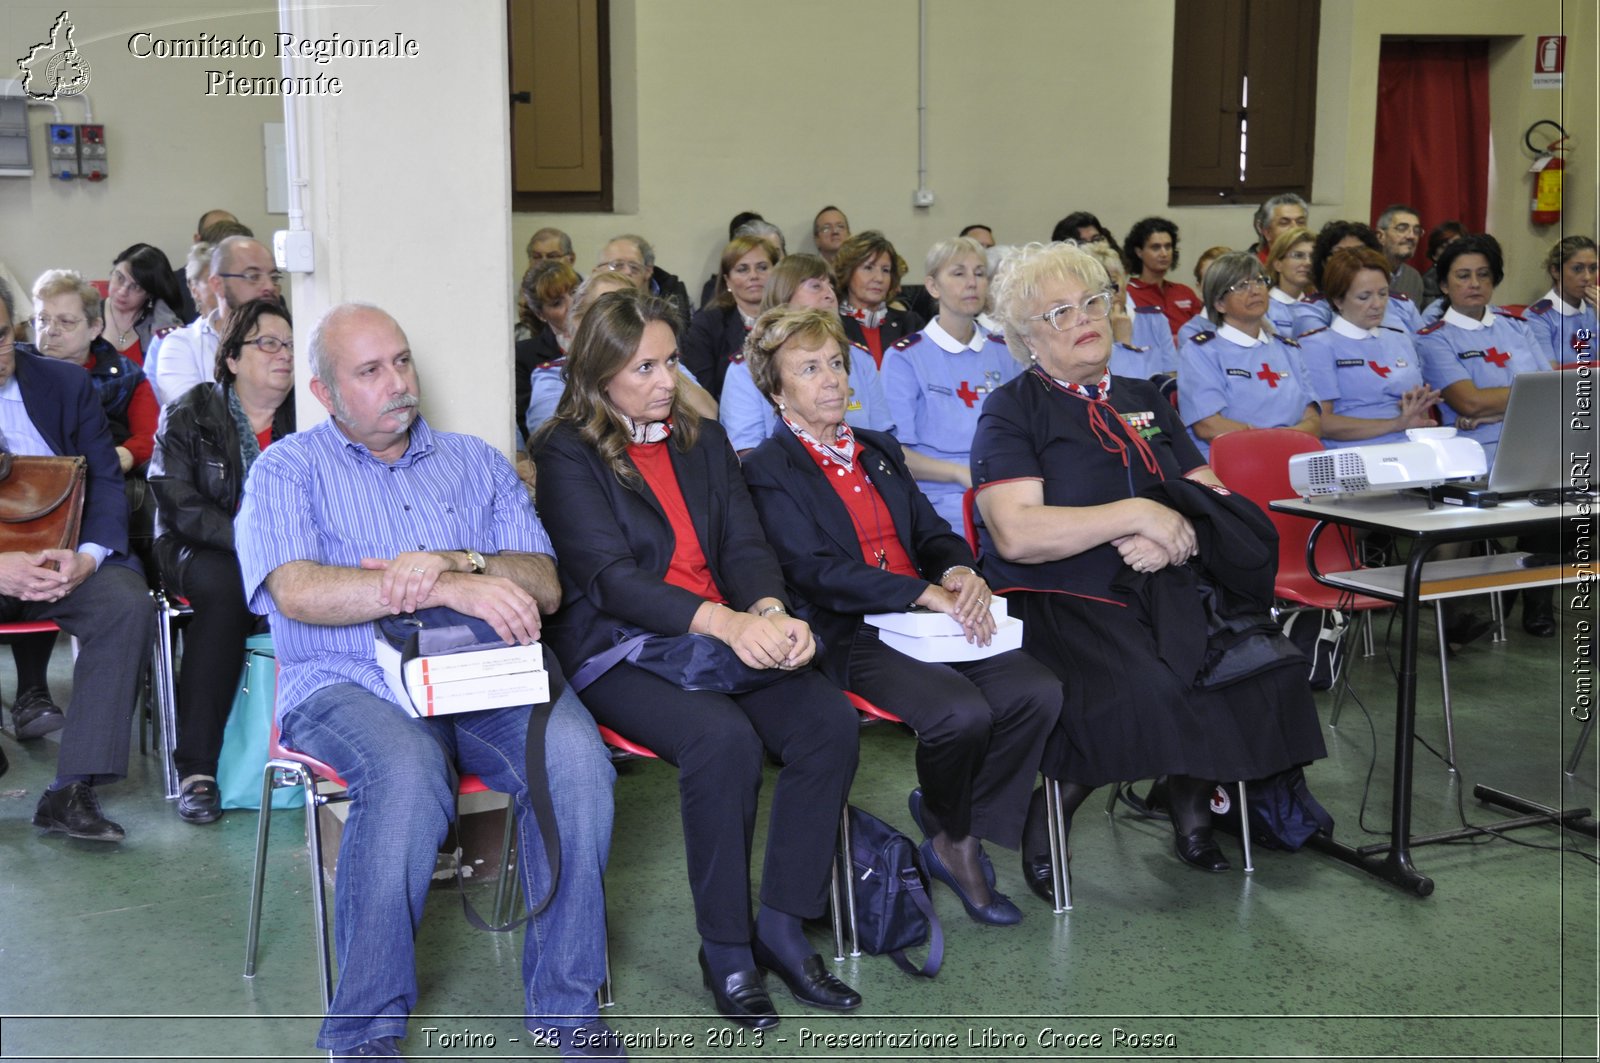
[[197, 475]]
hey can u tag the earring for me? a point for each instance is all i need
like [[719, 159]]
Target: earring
[[781, 407]]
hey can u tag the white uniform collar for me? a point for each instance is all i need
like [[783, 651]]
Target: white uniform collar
[[1278, 295], [1460, 320], [1355, 332], [949, 344], [1233, 335], [1566, 308]]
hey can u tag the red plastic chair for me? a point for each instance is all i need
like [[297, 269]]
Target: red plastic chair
[[286, 767], [29, 627]]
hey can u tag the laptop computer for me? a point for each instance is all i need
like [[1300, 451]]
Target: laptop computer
[[1532, 455]]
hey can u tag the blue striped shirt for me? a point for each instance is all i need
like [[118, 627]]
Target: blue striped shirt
[[317, 496]]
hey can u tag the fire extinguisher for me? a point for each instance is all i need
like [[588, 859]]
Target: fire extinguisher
[[1547, 167]]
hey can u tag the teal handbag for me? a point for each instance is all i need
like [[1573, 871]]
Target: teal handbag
[[249, 730]]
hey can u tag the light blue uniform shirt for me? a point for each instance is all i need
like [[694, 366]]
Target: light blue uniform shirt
[[1488, 353], [1559, 328], [317, 496], [1152, 337], [1316, 312], [1260, 381], [749, 418], [1360, 373], [936, 388]]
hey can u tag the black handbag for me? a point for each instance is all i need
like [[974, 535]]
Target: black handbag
[[692, 662], [893, 910]]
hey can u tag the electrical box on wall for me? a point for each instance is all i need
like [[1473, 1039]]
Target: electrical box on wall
[[16, 154], [63, 141], [92, 152]]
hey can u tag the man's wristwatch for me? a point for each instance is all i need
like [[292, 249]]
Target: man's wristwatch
[[475, 561]]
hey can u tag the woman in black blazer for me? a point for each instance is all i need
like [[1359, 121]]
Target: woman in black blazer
[[866, 277], [856, 536], [716, 334], [654, 530]]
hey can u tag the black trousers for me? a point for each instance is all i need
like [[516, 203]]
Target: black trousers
[[111, 616], [716, 741], [981, 729], [213, 654]]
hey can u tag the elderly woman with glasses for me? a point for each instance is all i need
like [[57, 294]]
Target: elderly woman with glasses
[[212, 436], [1099, 523], [1242, 375]]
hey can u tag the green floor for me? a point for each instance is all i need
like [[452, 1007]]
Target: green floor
[[136, 951]]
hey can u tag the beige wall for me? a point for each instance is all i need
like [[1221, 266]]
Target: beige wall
[[1036, 108], [172, 151]]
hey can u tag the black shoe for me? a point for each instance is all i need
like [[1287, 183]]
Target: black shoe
[[924, 820], [1465, 628], [1538, 613], [813, 984], [741, 998], [1037, 870], [34, 715], [592, 1040], [1199, 849], [74, 810], [998, 912], [200, 802], [382, 1048]]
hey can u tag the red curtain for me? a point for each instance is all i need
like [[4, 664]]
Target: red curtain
[[1431, 148]]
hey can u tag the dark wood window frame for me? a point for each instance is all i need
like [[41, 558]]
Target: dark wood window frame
[[1220, 43], [575, 202]]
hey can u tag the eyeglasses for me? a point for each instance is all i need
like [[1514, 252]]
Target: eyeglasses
[[622, 265], [270, 344], [1065, 316], [553, 256], [1258, 283], [1298, 256], [44, 322], [122, 280], [256, 276], [833, 230]]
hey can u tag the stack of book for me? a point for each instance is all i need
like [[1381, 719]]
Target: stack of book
[[466, 680], [928, 636]]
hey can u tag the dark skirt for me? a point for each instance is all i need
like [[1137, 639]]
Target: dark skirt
[[1127, 716]]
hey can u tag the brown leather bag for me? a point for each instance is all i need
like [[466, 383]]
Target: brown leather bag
[[41, 502]]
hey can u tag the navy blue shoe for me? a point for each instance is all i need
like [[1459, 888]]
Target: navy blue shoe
[[914, 803], [998, 912]]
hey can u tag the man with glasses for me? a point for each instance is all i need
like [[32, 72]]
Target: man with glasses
[[550, 245], [94, 592], [634, 258], [830, 229], [1274, 218], [1399, 229], [241, 270]]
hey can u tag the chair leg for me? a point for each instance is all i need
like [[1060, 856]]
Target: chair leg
[[501, 916], [1244, 829], [1580, 745], [603, 995], [1060, 854], [847, 873], [319, 900], [166, 694], [1444, 687], [258, 879]]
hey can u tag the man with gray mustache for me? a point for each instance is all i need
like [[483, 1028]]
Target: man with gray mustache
[[374, 513]]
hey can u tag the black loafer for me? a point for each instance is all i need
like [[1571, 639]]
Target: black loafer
[[34, 715], [1538, 613], [1037, 870], [75, 811], [741, 998], [923, 820], [813, 984], [200, 802], [998, 912], [1465, 629], [1199, 849]]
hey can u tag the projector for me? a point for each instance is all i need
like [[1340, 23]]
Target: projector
[[1431, 456]]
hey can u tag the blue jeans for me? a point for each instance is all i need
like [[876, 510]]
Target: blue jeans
[[402, 800]]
